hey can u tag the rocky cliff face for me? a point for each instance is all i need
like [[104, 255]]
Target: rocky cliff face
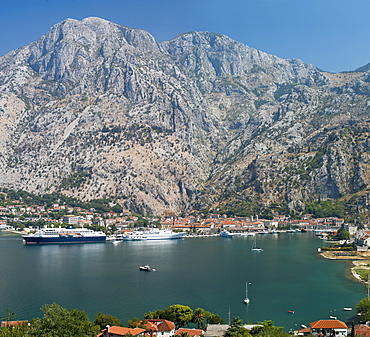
[[94, 109]]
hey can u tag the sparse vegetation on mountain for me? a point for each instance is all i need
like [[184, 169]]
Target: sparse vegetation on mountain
[[95, 111]]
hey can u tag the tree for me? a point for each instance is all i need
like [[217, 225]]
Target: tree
[[179, 314], [363, 308], [61, 322], [154, 314], [103, 320], [267, 329], [353, 330], [136, 323], [199, 315], [214, 318], [343, 234], [237, 329], [18, 330]]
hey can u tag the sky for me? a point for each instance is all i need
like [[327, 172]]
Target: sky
[[331, 34]]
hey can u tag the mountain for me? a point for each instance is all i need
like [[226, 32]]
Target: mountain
[[94, 109]]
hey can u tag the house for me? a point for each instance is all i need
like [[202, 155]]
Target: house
[[304, 332], [362, 239], [329, 327], [6, 324], [118, 331], [70, 219], [190, 332], [362, 330], [352, 229], [160, 328]]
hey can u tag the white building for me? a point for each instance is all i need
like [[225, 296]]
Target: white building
[[71, 219], [329, 327]]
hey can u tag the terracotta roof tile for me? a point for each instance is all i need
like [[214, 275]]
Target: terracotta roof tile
[[328, 324], [304, 330], [191, 332], [119, 330], [12, 323], [163, 324], [362, 330]]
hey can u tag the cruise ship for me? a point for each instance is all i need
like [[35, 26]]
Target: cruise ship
[[64, 235], [152, 234]]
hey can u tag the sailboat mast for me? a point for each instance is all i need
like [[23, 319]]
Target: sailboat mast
[[246, 300]]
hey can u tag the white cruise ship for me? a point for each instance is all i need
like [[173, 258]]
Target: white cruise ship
[[152, 234], [64, 235]]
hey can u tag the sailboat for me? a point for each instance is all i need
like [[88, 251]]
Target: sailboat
[[246, 300], [254, 247]]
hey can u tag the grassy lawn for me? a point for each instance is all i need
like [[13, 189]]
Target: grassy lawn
[[363, 273]]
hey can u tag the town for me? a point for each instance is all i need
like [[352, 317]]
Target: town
[[24, 217]]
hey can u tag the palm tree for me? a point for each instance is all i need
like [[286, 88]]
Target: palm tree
[[199, 316]]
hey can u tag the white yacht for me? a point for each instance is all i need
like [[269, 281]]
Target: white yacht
[[152, 234]]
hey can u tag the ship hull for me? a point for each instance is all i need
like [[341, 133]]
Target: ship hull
[[153, 236], [62, 240]]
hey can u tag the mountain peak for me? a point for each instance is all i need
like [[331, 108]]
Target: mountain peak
[[94, 109]]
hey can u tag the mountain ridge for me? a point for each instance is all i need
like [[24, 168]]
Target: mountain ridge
[[190, 123]]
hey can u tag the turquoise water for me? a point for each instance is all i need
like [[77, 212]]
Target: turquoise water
[[201, 272]]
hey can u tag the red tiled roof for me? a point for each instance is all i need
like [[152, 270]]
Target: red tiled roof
[[328, 324], [304, 330], [191, 332], [362, 330], [150, 326], [163, 324], [5, 324], [119, 330]]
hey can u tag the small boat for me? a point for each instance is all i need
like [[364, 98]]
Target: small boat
[[145, 268], [246, 300], [304, 326], [333, 317], [254, 247], [290, 311], [347, 309]]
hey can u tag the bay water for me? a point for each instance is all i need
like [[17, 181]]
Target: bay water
[[211, 273]]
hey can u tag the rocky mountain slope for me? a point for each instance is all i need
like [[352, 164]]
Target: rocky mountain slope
[[94, 109]]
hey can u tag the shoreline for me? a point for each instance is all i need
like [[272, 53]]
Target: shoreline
[[358, 260]]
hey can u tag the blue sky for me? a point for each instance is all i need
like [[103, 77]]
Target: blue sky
[[331, 34]]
